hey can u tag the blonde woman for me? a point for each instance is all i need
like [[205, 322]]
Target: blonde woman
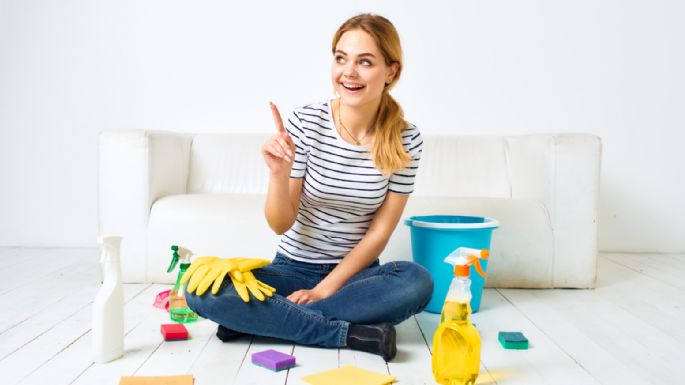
[[341, 172]]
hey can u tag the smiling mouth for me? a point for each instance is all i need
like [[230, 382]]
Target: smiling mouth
[[352, 88]]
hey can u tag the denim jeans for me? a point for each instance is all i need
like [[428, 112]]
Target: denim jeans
[[391, 292]]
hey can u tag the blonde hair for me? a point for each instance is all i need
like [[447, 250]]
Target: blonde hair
[[387, 151]]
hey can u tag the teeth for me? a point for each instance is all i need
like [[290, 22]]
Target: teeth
[[352, 86]]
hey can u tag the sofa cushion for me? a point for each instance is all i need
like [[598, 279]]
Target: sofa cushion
[[225, 225], [231, 225]]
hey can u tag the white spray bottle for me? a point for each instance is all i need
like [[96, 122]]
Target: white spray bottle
[[108, 307]]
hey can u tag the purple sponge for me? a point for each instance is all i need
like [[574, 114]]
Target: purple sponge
[[273, 359]]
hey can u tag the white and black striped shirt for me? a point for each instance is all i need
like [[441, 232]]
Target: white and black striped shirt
[[341, 190]]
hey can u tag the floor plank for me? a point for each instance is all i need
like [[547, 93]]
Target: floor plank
[[666, 268], [627, 331], [74, 359], [141, 322], [622, 332], [311, 360], [251, 374], [27, 299], [34, 354], [177, 357], [412, 365], [30, 265], [219, 362]]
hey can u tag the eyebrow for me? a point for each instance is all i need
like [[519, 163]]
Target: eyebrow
[[361, 54]]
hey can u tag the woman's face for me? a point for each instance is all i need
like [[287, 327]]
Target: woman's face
[[359, 73]]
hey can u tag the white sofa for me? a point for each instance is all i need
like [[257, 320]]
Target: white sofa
[[206, 192]]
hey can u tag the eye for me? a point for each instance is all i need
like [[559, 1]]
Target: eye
[[339, 59], [365, 61]]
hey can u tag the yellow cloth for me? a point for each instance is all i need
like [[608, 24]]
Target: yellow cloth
[[348, 375], [157, 380]]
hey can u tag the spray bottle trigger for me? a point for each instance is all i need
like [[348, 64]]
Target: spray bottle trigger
[[484, 254], [174, 259], [464, 256], [479, 268]]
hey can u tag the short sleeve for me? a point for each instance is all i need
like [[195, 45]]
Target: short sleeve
[[295, 129], [402, 181]]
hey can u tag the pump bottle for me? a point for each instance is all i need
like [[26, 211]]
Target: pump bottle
[[108, 307], [456, 342], [178, 307]]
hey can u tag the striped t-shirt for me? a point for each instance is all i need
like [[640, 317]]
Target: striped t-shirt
[[342, 189]]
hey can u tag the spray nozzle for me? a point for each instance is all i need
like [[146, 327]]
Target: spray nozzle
[[464, 257], [179, 253]]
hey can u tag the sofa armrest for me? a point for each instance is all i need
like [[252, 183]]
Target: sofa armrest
[[562, 171], [137, 167]]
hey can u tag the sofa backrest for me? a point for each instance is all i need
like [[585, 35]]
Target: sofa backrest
[[451, 166], [228, 163], [464, 166]]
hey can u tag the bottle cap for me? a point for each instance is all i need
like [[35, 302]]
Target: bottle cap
[[462, 270]]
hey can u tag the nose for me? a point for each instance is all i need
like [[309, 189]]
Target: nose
[[350, 70]]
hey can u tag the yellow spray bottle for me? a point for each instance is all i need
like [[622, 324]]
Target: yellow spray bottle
[[456, 342]]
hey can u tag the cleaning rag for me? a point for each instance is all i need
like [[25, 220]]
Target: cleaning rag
[[347, 375], [162, 300]]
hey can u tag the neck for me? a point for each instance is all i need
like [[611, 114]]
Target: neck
[[358, 120]]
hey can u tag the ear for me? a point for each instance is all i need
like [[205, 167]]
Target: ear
[[392, 71]]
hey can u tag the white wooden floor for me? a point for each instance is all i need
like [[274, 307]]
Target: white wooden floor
[[630, 330]]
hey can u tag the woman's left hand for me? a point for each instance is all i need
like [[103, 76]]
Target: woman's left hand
[[304, 297]]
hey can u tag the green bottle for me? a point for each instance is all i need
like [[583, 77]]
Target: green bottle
[[178, 307]]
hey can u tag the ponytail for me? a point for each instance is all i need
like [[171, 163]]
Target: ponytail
[[387, 151]]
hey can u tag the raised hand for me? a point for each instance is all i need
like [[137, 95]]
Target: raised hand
[[279, 150]]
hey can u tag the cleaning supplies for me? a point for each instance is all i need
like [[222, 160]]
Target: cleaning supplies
[[173, 332], [273, 360], [456, 342], [513, 340], [108, 307], [211, 271], [178, 307]]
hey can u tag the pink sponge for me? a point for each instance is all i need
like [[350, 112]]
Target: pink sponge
[[273, 359]]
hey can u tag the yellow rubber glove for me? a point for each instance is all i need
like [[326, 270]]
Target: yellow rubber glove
[[206, 271], [256, 287]]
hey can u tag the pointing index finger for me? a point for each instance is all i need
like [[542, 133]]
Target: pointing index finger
[[277, 118]]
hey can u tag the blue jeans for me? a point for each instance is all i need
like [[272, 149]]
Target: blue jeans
[[380, 293]]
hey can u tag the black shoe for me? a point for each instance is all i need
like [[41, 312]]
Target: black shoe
[[225, 334], [378, 339]]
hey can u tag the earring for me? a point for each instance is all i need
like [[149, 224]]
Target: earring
[[388, 81]]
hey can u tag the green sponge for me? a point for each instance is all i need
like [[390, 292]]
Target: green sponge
[[513, 340]]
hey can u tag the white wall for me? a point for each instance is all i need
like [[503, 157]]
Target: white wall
[[71, 68]]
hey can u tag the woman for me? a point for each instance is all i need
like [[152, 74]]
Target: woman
[[341, 172]]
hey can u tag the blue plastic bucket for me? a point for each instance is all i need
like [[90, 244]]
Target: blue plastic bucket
[[433, 237]]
